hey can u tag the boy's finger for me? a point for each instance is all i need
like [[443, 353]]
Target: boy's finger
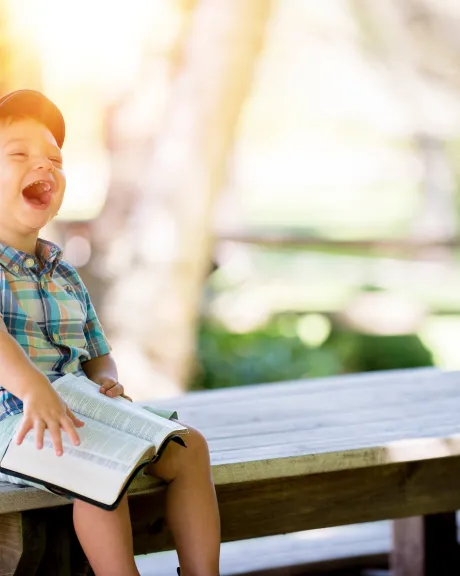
[[75, 420], [71, 432], [39, 428], [107, 384], [25, 427], [116, 390], [55, 432]]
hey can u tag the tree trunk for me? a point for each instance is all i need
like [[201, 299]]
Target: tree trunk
[[391, 34], [156, 301]]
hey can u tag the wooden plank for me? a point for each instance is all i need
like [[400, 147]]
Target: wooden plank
[[150, 532], [426, 546], [350, 435], [14, 498], [316, 501], [239, 467], [414, 417], [388, 395], [22, 543], [255, 392]]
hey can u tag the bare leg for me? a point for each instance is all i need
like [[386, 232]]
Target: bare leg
[[106, 538], [191, 505]]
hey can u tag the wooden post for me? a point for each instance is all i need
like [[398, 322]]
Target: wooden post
[[170, 238], [41, 543], [22, 543], [425, 546]]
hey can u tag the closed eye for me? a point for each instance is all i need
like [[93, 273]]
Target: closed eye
[[23, 154], [56, 161]]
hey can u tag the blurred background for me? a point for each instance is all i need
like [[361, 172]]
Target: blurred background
[[257, 190]]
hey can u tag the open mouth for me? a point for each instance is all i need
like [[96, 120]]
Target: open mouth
[[38, 194]]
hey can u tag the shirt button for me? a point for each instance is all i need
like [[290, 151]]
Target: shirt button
[[55, 337], [15, 268], [30, 262]]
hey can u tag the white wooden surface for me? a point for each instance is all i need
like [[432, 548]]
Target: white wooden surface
[[305, 427], [288, 429]]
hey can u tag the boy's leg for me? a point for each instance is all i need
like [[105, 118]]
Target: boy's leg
[[191, 505], [106, 538]]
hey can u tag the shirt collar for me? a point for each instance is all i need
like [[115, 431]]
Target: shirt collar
[[16, 261]]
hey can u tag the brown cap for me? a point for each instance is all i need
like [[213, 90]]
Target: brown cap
[[38, 106]]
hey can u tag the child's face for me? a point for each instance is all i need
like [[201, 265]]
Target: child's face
[[32, 181]]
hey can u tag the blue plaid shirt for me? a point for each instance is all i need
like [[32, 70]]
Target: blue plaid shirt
[[48, 311]]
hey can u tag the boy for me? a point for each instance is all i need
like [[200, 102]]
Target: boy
[[48, 327]]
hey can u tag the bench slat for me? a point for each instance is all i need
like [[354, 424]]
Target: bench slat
[[353, 434], [441, 392], [258, 392]]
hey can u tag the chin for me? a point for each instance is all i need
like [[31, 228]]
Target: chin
[[37, 223]]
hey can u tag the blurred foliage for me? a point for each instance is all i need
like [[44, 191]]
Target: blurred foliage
[[367, 352], [276, 352]]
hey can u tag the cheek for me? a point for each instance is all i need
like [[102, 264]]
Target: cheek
[[10, 186], [61, 182]]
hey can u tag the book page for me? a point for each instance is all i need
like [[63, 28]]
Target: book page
[[83, 397], [97, 469]]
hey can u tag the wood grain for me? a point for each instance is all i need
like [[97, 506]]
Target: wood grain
[[288, 429], [256, 392], [279, 506]]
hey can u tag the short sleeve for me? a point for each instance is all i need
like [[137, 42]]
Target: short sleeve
[[3, 327], [96, 341], [98, 345]]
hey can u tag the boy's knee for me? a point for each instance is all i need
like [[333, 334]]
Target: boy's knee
[[177, 459], [195, 441]]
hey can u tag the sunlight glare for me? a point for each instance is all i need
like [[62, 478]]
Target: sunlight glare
[[90, 55], [99, 42]]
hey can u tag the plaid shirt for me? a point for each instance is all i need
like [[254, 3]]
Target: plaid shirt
[[49, 313]]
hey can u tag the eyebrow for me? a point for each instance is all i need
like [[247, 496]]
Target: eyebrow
[[15, 140], [19, 140]]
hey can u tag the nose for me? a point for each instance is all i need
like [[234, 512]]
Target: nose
[[43, 163]]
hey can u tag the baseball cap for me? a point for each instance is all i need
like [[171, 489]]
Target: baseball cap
[[37, 106]]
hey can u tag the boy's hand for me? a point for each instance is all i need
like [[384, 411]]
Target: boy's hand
[[44, 408], [110, 387]]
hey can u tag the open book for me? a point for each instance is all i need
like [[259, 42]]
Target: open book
[[117, 440]]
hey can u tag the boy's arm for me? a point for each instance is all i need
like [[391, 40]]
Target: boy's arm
[[43, 408], [21, 374]]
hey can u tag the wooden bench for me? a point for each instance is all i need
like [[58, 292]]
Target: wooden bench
[[289, 457]]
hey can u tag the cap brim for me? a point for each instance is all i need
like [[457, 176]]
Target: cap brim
[[38, 106]]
